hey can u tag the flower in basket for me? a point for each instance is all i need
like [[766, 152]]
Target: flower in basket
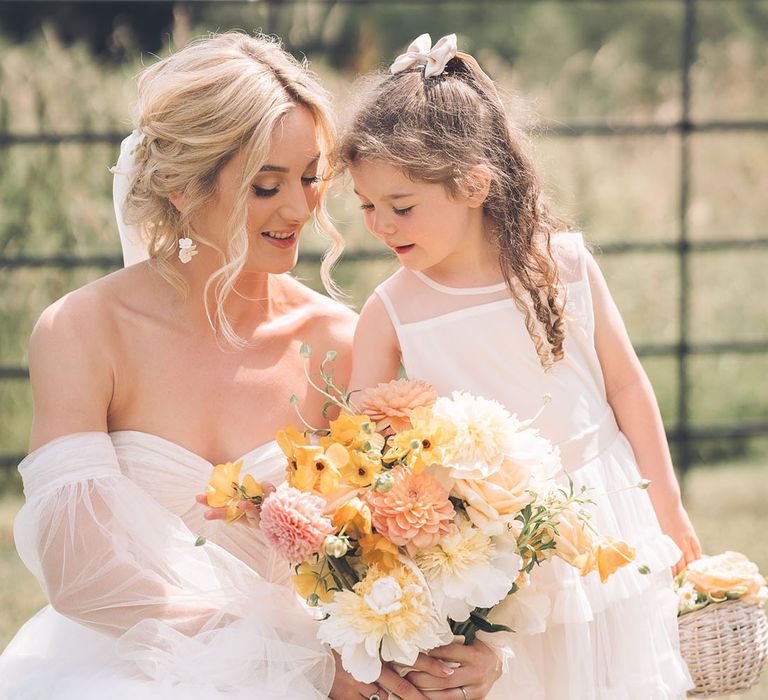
[[386, 616], [726, 576], [390, 404]]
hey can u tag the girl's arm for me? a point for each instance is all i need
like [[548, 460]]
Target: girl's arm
[[375, 349], [631, 397]]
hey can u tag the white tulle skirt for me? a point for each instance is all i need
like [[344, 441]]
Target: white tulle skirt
[[603, 641], [54, 658]]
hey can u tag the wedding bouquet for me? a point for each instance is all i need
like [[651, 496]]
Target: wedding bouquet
[[722, 623], [411, 517]]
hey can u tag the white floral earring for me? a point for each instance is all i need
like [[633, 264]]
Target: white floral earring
[[187, 249]]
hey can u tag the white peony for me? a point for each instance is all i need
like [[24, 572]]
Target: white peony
[[389, 617], [469, 569]]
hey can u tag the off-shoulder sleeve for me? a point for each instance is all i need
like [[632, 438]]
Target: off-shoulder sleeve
[[110, 557]]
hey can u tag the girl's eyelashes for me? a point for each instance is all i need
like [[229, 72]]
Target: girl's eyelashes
[[311, 180], [399, 212]]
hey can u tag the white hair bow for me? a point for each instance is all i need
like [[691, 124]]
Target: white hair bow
[[421, 51]]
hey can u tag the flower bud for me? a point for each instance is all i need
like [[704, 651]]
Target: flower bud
[[383, 482], [644, 569], [644, 484], [313, 600], [335, 547]]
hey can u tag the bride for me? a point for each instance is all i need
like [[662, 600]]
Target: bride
[[145, 379]]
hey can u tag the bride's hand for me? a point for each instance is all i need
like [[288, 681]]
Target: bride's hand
[[479, 668], [252, 512], [345, 687]]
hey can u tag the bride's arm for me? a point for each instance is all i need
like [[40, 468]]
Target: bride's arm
[[110, 557]]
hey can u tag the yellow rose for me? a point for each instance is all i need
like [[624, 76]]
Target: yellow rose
[[729, 572], [492, 503], [354, 517]]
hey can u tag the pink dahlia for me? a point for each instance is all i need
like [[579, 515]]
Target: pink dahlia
[[293, 523], [391, 403], [414, 513]]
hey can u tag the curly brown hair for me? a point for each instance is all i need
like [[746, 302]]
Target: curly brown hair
[[436, 130]]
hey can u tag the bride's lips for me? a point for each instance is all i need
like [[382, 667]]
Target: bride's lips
[[283, 243]]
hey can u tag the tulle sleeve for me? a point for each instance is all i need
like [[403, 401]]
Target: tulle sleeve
[[110, 557]]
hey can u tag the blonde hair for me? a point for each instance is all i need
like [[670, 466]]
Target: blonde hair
[[197, 109], [436, 130]]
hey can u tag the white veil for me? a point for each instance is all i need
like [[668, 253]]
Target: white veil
[[131, 240]]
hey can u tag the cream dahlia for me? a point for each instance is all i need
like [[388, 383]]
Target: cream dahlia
[[483, 434], [467, 569], [415, 513]]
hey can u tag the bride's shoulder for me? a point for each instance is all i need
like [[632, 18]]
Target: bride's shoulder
[[326, 324], [318, 307], [86, 312]]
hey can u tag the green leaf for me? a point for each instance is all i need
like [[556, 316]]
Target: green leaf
[[200, 541]]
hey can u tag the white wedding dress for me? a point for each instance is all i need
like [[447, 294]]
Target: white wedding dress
[[576, 638], [139, 612]]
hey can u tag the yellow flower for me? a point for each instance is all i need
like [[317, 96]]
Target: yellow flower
[[314, 578], [379, 551], [351, 431], [424, 443], [354, 518], [223, 484], [224, 491], [317, 469], [288, 440], [362, 468], [574, 542], [611, 555]]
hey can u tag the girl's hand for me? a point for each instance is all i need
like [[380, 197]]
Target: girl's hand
[[676, 523], [252, 512], [479, 668], [345, 687]]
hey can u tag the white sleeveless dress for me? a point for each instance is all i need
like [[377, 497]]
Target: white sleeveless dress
[[109, 529], [612, 641]]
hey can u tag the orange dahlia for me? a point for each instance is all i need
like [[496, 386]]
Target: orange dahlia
[[415, 513], [390, 404]]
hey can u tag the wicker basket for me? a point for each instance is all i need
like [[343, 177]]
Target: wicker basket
[[725, 646]]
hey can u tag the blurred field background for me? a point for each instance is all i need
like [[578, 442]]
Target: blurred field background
[[68, 68]]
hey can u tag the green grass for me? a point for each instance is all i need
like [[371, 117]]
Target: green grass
[[726, 502]]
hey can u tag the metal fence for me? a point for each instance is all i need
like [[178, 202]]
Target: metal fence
[[682, 434]]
